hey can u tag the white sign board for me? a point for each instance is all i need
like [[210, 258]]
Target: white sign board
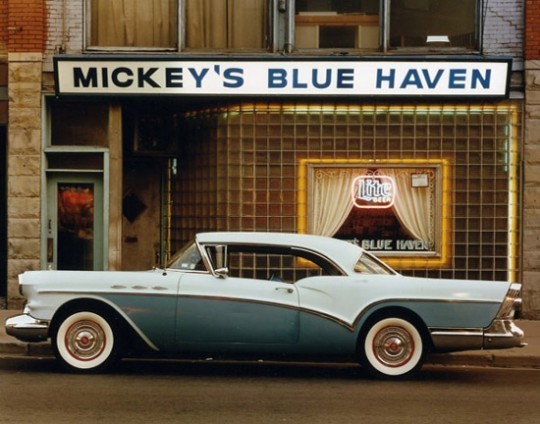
[[296, 77]]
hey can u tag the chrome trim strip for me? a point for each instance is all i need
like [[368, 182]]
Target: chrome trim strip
[[452, 339]]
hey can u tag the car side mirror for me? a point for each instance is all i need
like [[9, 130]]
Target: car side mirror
[[222, 272]]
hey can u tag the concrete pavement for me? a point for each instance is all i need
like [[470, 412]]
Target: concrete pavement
[[525, 357]]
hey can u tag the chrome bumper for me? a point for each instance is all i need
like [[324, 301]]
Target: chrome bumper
[[28, 329], [502, 334]]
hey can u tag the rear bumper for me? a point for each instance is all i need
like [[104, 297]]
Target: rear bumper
[[27, 328], [502, 334]]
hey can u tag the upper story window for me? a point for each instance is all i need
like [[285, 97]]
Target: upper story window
[[263, 25], [387, 24], [337, 24], [155, 24], [133, 24], [227, 24], [439, 24]]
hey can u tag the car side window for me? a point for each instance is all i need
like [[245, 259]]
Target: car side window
[[271, 264], [188, 259]]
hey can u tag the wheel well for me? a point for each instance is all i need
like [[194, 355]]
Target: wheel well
[[396, 312], [127, 334]]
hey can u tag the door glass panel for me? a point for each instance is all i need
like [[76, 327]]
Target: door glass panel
[[75, 226]]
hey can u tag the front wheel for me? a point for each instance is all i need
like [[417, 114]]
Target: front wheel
[[86, 342], [392, 348]]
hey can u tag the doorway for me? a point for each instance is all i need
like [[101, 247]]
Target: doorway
[[75, 221]]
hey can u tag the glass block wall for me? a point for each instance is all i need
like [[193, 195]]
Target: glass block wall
[[238, 169]]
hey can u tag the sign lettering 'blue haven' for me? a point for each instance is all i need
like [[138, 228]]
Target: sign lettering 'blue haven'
[[137, 76]]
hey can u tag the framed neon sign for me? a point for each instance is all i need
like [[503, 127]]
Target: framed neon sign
[[373, 192], [398, 209]]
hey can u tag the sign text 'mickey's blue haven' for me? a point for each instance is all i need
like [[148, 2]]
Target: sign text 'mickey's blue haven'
[[370, 78]]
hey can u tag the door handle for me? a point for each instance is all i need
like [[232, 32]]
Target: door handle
[[287, 289]]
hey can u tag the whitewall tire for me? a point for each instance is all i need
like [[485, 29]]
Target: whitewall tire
[[392, 348], [86, 342]]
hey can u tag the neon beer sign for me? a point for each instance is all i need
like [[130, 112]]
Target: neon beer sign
[[373, 192]]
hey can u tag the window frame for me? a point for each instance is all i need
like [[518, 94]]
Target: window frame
[[384, 35], [386, 25], [274, 16]]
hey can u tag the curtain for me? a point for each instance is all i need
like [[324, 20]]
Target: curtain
[[134, 23], [226, 24], [330, 202], [412, 205]]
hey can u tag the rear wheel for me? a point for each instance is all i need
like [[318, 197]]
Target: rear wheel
[[86, 342], [392, 348]]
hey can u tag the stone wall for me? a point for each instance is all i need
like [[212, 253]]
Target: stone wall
[[24, 172], [531, 158], [531, 194]]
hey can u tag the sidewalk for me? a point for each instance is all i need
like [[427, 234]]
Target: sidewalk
[[526, 357]]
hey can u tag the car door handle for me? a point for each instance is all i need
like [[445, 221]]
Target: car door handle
[[287, 289]]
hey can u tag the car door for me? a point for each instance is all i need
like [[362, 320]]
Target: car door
[[241, 308]]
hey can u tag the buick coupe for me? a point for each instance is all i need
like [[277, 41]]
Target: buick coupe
[[265, 296]]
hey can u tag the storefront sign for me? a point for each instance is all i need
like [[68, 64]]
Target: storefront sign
[[373, 192], [413, 77]]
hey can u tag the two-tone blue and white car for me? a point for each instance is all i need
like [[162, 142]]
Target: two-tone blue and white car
[[265, 296]]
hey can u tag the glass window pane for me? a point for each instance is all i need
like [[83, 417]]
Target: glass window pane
[[75, 226], [439, 24], [134, 23], [226, 24], [337, 24]]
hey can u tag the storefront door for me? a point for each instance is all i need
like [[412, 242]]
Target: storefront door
[[75, 221]]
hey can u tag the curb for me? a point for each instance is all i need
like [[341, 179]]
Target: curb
[[463, 359], [26, 349], [483, 359]]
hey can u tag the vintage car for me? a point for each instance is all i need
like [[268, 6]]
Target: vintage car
[[265, 296]]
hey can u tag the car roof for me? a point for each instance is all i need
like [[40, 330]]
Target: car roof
[[341, 252]]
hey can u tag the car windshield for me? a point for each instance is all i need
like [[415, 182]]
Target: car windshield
[[369, 264], [188, 259]]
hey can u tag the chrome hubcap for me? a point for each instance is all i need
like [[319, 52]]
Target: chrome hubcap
[[85, 340], [393, 346]]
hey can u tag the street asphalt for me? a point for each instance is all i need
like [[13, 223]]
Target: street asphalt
[[524, 357]]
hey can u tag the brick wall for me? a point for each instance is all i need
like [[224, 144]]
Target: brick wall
[[26, 26], [532, 30], [503, 29], [65, 33], [3, 27]]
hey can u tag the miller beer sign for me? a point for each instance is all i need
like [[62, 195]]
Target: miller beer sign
[[373, 192]]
